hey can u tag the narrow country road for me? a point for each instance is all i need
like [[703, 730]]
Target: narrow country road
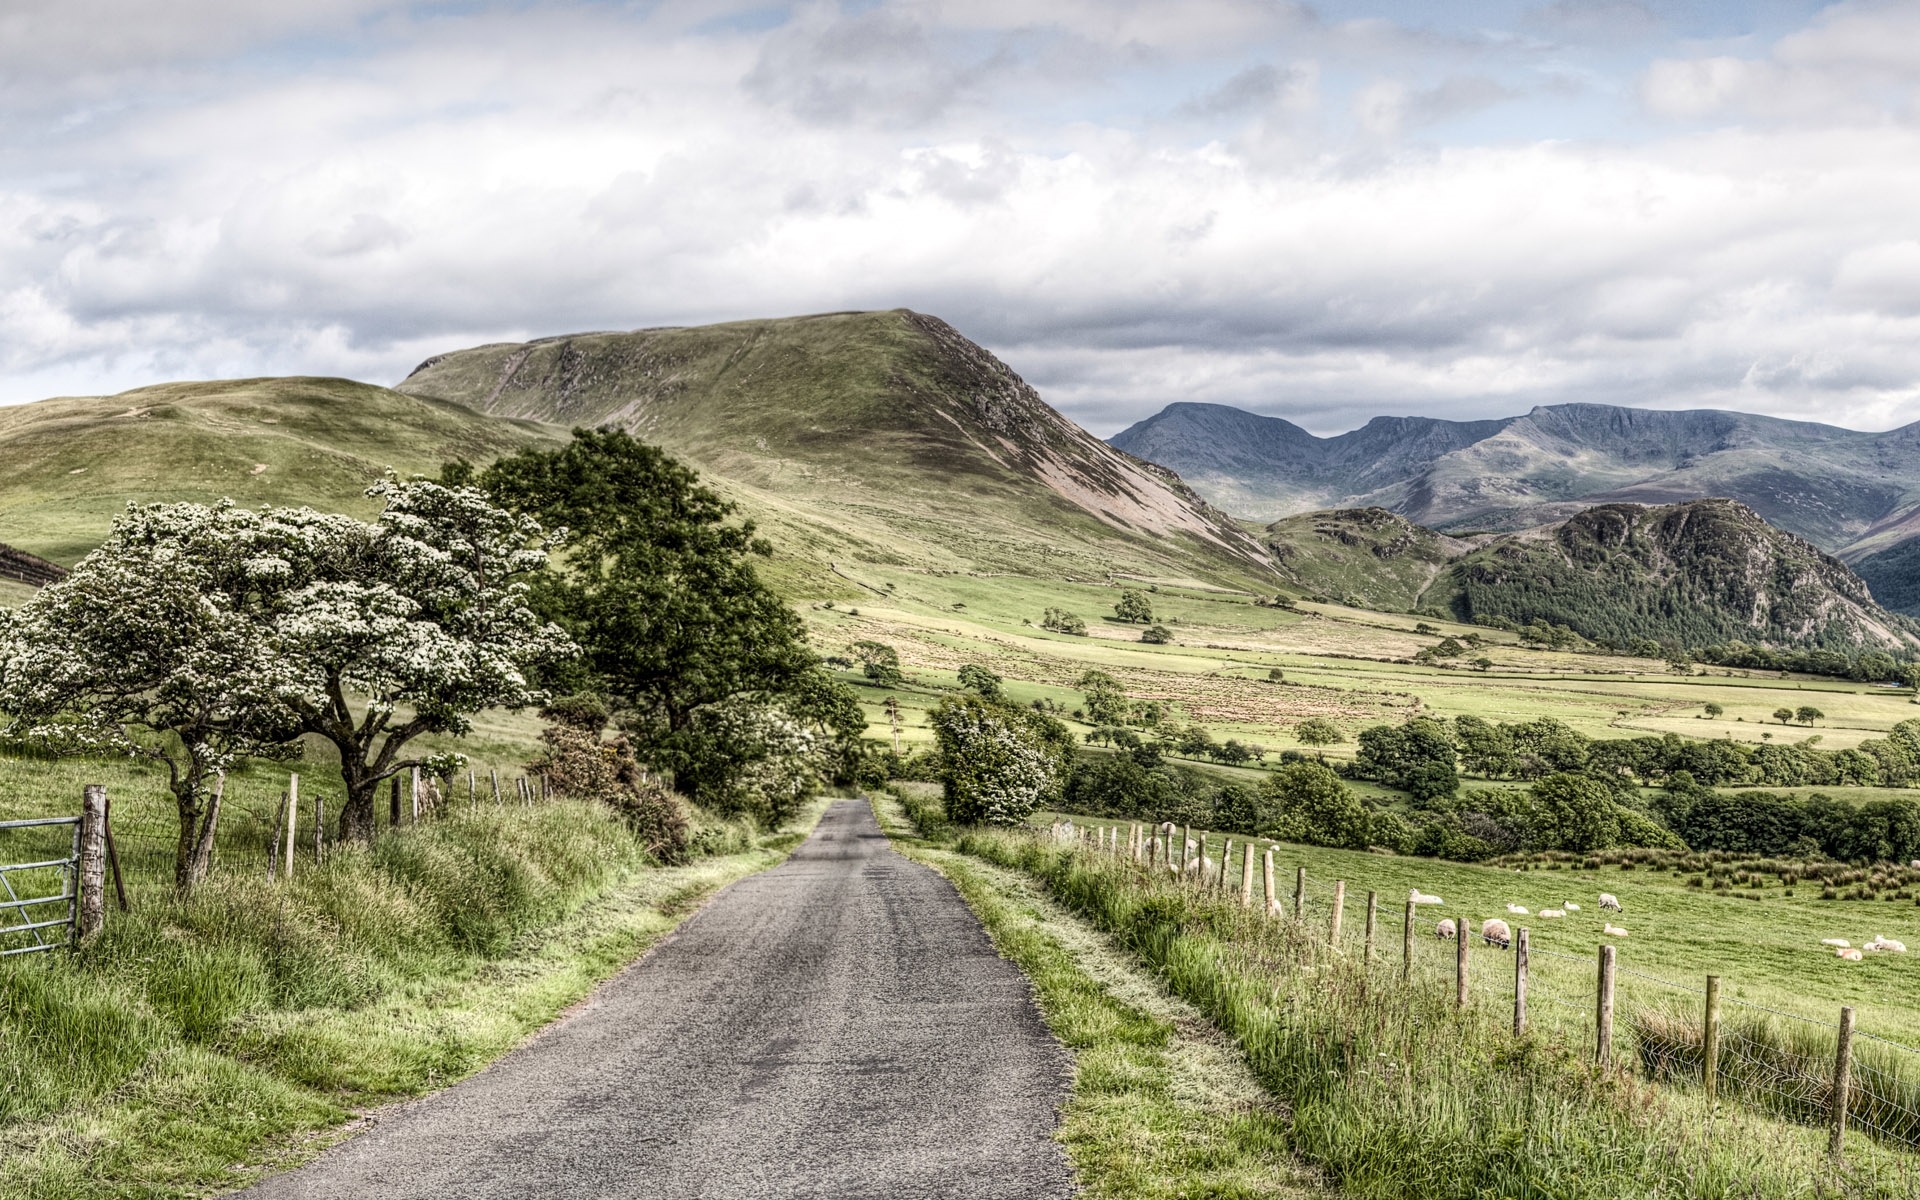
[[837, 1026]]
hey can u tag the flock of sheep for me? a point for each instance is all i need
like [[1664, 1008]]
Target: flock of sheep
[[1843, 949], [1496, 932]]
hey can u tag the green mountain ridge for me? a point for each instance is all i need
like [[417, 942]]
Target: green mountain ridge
[[1364, 557], [75, 462], [882, 437]]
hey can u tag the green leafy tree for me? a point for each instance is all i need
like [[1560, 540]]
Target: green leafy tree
[[1807, 714], [1783, 715], [1449, 648], [879, 662], [660, 590], [1573, 812], [1059, 620], [1306, 802], [1156, 635], [976, 678], [1318, 731], [1417, 757], [1714, 710], [998, 763], [1106, 701], [1133, 605], [1485, 749]]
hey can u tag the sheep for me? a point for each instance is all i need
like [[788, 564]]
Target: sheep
[[1849, 955], [1200, 865], [1553, 912], [1494, 932], [1444, 929], [1517, 909], [1882, 942], [1570, 906], [1416, 896], [1612, 930], [1840, 943], [1610, 902]]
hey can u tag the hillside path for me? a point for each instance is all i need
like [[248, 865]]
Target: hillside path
[[837, 1026]]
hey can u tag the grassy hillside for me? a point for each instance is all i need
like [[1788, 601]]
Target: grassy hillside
[[74, 463], [1367, 557], [883, 438]]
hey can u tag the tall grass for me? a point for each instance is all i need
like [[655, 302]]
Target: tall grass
[[224, 968], [1397, 1096]]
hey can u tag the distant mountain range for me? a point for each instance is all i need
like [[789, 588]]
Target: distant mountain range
[[1849, 493]]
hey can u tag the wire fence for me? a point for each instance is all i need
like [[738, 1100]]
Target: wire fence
[[269, 821], [1811, 1069]]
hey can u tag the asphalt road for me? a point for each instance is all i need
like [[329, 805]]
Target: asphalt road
[[837, 1026]]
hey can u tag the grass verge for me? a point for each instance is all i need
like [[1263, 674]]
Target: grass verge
[[1396, 1096], [1162, 1104], [197, 1047]]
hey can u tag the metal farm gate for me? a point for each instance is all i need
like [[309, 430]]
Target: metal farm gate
[[30, 928]]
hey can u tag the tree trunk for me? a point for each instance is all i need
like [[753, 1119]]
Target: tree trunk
[[186, 794], [356, 812]]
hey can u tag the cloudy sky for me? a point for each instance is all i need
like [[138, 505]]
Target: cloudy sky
[[1321, 211]]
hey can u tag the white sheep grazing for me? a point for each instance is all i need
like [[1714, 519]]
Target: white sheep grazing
[[1849, 955], [1570, 906], [1841, 943], [1882, 942], [1612, 930], [1553, 912], [1915, 864], [1517, 909], [1610, 902], [1198, 865], [1417, 896], [1494, 932], [1444, 929]]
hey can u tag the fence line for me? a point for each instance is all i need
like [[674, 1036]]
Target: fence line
[[1663, 1024]]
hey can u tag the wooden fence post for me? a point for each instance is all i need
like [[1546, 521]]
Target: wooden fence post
[[1133, 840], [1710, 1041], [1339, 910], [393, 803], [495, 776], [293, 823], [1842, 1094], [1406, 946], [1603, 1010], [1153, 849], [1186, 835], [1520, 982], [1226, 857], [1246, 875], [1460, 963], [413, 794], [473, 797], [88, 906], [1266, 874], [1373, 917], [1299, 892]]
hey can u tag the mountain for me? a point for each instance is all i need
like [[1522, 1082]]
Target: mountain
[[1364, 557], [75, 463], [1894, 576], [1849, 493], [883, 437], [1698, 573]]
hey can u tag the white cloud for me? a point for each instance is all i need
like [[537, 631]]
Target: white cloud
[[1135, 203]]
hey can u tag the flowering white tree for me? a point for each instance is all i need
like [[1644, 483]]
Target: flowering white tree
[[149, 648], [997, 763], [223, 631]]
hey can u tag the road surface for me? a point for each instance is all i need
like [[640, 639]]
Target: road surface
[[836, 1026]]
